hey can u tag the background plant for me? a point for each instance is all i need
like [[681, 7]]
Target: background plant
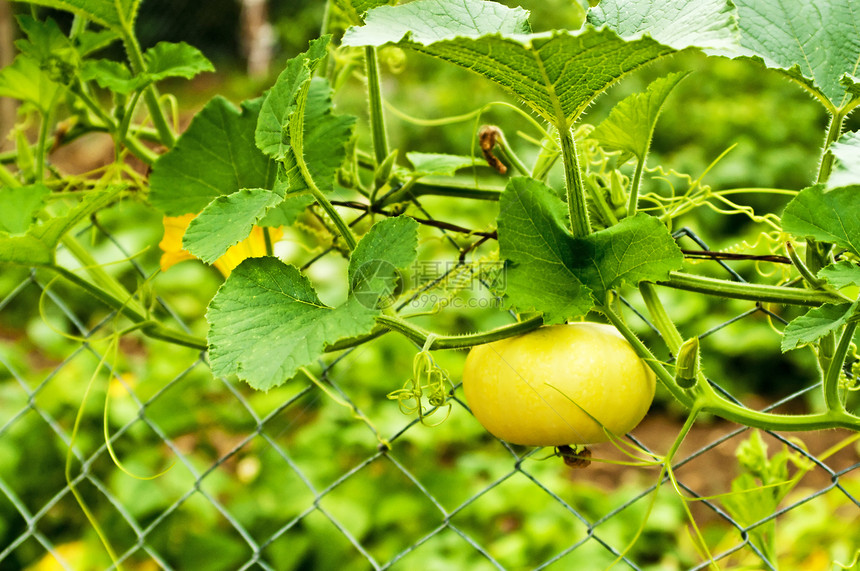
[[247, 159]]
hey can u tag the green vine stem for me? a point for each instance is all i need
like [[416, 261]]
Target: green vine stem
[[706, 399], [666, 378], [297, 140], [579, 223], [834, 130], [661, 319], [150, 94], [633, 200], [749, 291], [148, 327], [834, 369], [374, 98], [420, 336], [416, 189]]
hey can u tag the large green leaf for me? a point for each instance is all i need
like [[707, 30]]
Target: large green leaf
[[847, 153], [272, 136], [266, 322], [437, 164], [325, 140], [557, 74], [816, 323], [118, 15], [215, 156], [355, 9], [630, 125], [20, 205], [374, 276], [816, 42], [226, 221], [38, 245], [562, 276], [166, 59], [25, 80], [831, 216], [841, 274]]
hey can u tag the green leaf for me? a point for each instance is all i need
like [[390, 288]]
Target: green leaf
[[91, 41], [815, 42], [847, 153], [215, 156], [436, 164], [355, 9], [286, 213], [20, 205], [552, 272], [706, 24], [45, 41], [38, 245], [535, 242], [841, 274], [272, 136], [831, 216], [557, 74], [111, 75], [167, 59], [118, 15], [324, 141], [390, 245], [630, 125], [815, 324], [634, 250], [25, 80], [266, 322], [226, 221]]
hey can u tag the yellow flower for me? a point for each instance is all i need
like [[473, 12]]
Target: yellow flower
[[254, 246]]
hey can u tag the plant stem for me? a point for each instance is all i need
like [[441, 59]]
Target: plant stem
[[834, 369], [148, 327], [579, 223], [374, 99], [661, 319], [666, 378], [419, 335], [414, 190], [150, 94], [633, 200], [748, 291], [825, 166], [297, 125]]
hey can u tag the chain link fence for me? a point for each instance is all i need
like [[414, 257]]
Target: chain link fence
[[174, 469]]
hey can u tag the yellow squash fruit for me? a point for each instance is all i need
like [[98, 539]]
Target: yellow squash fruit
[[545, 388]]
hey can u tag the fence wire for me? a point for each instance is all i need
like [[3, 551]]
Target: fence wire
[[300, 478]]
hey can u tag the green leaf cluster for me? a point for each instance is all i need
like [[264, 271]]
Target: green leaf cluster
[[830, 216]]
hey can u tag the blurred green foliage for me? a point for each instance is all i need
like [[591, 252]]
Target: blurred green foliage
[[273, 491]]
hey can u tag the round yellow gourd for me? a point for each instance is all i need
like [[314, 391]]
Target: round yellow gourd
[[543, 388]]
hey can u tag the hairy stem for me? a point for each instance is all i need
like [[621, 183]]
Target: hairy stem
[[666, 378], [374, 99], [633, 200], [661, 319], [150, 94], [577, 207], [748, 291], [297, 138], [419, 335], [834, 369], [825, 166], [148, 327]]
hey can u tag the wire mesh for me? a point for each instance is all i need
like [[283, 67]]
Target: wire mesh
[[300, 477]]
